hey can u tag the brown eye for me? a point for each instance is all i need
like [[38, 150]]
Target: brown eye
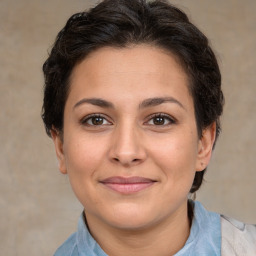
[[159, 120], [95, 120]]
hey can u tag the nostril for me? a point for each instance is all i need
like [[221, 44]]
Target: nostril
[[116, 159]]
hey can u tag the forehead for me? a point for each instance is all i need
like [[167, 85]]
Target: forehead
[[143, 55], [140, 69]]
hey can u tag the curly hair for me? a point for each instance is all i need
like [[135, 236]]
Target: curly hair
[[120, 23]]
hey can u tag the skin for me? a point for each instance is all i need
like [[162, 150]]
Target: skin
[[129, 141]]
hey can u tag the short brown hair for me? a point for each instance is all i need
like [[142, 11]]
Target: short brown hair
[[119, 23]]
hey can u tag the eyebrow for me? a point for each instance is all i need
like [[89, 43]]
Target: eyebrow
[[95, 101], [151, 102]]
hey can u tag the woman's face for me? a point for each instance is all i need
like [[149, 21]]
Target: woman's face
[[130, 145]]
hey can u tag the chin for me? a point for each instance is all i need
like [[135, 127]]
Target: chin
[[131, 218], [131, 224]]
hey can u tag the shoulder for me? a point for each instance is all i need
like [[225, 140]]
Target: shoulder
[[237, 238], [68, 248]]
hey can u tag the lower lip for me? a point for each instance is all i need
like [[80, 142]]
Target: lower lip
[[128, 188]]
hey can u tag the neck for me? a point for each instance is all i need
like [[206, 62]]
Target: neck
[[164, 238]]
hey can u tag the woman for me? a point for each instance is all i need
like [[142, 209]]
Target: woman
[[132, 102]]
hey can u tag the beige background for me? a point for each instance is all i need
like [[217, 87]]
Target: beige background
[[37, 207]]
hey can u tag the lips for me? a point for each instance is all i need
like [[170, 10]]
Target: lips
[[127, 185]]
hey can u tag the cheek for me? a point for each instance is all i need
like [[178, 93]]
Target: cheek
[[83, 155], [176, 155]]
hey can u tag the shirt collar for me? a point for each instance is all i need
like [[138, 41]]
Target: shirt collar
[[204, 238]]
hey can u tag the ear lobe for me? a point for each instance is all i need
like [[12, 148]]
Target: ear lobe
[[205, 147], [58, 143]]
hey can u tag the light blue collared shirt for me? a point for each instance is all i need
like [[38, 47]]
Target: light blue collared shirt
[[204, 238]]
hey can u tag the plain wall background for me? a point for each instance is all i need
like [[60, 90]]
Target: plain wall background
[[38, 210]]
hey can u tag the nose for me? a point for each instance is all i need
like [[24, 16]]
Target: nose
[[127, 146]]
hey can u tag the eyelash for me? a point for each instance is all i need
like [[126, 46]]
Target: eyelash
[[164, 116], [170, 120], [85, 120]]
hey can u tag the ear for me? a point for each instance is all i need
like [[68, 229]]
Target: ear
[[205, 147], [58, 143]]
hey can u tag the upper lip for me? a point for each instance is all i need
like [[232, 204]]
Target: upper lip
[[126, 180]]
